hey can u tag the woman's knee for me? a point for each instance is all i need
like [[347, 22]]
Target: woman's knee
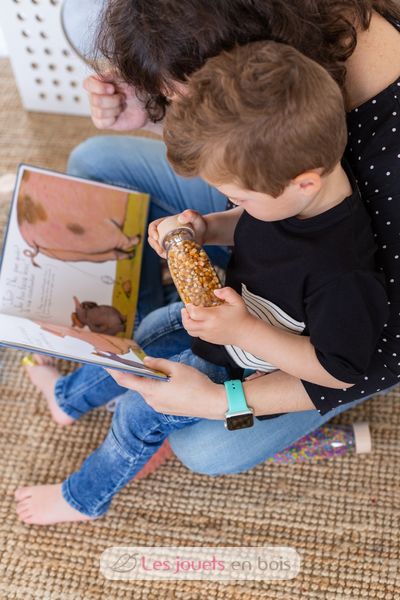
[[198, 457], [88, 158], [117, 159], [195, 465]]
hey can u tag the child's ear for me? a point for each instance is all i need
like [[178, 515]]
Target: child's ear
[[308, 182]]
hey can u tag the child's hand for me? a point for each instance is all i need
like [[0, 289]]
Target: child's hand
[[224, 324], [196, 220]]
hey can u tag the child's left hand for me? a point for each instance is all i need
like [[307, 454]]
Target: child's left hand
[[224, 324]]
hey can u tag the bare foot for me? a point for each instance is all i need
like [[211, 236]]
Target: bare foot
[[45, 505], [44, 375]]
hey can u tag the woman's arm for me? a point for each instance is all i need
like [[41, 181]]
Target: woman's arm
[[192, 394], [114, 106], [276, 393]]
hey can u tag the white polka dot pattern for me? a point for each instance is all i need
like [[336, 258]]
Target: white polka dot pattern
[[373, 153]]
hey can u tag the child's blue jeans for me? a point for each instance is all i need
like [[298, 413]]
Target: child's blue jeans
[[137, 430]]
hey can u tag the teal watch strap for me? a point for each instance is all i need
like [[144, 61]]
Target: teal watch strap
[[235, 396], [238, 415]]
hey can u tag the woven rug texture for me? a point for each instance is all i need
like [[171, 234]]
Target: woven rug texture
[[342, 516]]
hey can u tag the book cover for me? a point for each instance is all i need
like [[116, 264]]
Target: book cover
[[70, 269]]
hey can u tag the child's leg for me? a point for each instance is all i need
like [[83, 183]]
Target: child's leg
[[69, 397], [44, 375], [137, 432]]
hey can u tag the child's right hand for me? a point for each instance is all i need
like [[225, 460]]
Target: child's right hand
[[196, 220]]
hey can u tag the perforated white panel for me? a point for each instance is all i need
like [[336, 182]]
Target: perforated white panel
[[48, 71]]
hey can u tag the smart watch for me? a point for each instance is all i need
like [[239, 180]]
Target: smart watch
[[238, 415]]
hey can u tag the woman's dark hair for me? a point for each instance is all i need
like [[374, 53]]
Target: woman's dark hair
[[153, 43]]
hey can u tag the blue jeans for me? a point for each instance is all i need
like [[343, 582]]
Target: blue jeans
[[207, 447], [137, 430]]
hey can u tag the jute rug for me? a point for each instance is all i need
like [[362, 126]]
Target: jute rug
[[342, 516]]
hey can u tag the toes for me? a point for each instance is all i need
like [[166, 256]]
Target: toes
[[26, 514], [22, 493], [26, 518], [43, 359], [38, 358], [24, 511], [23, 506], [65, 421]]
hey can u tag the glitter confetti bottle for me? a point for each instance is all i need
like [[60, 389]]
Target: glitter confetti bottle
[[327, 442]]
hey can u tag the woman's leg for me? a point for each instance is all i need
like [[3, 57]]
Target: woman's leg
[[211, 449], [140, 163]]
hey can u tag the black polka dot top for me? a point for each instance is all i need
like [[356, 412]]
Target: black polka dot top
[[373, 152]]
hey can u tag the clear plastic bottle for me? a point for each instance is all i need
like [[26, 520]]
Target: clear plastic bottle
[[191, 270], [329, 441]]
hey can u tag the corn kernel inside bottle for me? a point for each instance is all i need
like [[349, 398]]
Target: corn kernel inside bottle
[[191, 270]]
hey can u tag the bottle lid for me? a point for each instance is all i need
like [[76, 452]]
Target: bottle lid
[[169, 224], [362, 437]]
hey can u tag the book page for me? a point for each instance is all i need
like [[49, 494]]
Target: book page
[[81, 345], [71, 247]]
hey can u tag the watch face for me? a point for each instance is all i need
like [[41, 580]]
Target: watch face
[[239, 421]]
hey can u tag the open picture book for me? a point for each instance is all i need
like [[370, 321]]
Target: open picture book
[[70, 270]]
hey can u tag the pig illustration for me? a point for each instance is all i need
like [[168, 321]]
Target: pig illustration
[[63, 219], [100, 319]]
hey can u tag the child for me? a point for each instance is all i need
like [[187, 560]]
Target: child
[[265, 125]]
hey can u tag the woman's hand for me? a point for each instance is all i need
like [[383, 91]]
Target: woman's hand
[[188, 393], [196, 220], [114, 104]]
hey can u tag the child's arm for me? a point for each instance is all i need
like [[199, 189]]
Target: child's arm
[[288, 352], [232, 324], [215, 228], [345, 319], [221, 227]]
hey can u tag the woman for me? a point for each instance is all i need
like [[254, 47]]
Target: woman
[[357, 41]]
